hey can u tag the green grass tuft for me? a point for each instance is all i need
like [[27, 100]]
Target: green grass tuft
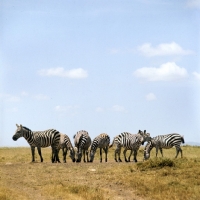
[[156, 163]]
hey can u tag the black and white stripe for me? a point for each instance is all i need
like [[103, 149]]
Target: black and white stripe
[[65, 145], [164, 142], [39, 139], [82, 141], [102, 141], [129, 142]]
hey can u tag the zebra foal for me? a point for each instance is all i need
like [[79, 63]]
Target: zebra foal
[[102, 141], [39, 139], [164, 142], [82, 141]]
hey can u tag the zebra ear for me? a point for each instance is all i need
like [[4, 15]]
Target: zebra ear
[[17, 125], [144, 131], [20, 126]]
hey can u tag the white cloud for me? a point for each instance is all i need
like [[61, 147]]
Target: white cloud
[[10, 98], [193, 3], [164, 49], [61, 72], [41, 97], [150, 97], [196, 75], [118, 108], [166, 72]]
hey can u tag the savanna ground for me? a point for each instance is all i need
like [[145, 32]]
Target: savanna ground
[[161, 178]]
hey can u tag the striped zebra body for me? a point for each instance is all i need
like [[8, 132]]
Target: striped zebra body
[[129, 142], [102, 141], [82, 141], [40, 139], [65, 145], [164, 142]]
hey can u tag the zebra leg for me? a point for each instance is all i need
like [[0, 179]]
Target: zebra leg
[[177, 151], [161, 152], [33, 153], [52, 155], [129, 158], [124, 152], [87, 154], [79, 155], [156, 151], [135, 155], [106, 153], [181, 152], [64, 150], [84, 155], [119, 153], [116, 155], [55, 157], [56, 154], [40, 153], [100, 154]]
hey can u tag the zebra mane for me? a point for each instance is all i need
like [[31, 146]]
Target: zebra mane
[[26, 128]]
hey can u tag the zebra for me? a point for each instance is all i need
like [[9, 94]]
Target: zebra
[[65, 145], [137, 140], [129, 142], [164, 142], [39, 139], [102, 141], [82, 141]]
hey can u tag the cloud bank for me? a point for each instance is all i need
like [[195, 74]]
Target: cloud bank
[[166, 72], [78, 73], [164, 49]]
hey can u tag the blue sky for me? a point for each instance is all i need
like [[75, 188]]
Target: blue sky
[[100, 66]]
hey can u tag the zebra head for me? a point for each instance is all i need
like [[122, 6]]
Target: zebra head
[[72, 154], [145, 135], [78, 138], [18, 133], [147, 150], [92, 152], [79, 156]]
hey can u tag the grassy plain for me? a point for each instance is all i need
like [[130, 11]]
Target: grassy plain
[[161, 178]]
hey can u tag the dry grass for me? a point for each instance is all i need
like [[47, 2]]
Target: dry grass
[[161, 178]]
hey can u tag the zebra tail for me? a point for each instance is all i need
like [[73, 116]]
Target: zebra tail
[[182, 139], [112, 143]]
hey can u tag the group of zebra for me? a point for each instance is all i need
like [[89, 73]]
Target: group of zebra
[[86, 147]]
